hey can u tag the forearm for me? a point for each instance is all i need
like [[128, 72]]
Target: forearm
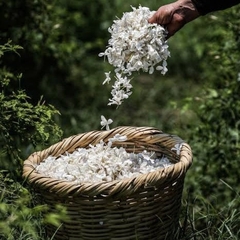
[[207, 6]]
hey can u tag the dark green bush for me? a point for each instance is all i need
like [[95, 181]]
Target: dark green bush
[[21, 122], [21, 215], [22, 125], [215, 141], [216, 138]]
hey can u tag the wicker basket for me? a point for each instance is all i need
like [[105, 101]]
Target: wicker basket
[[145, 207]]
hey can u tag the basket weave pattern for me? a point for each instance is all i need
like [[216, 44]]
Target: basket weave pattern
[[143, 207]]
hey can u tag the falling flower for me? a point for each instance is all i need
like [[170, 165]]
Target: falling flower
[[108, 78], [120, 89], [105, 123]]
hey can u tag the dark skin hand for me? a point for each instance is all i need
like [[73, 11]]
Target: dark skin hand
[[175, 15]]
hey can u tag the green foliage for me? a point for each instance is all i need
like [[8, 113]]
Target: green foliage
[[216, 138], [8, 47], [16, 219], [58, 47], [204, 220], [215, 141], [19, 218], [21, 122]]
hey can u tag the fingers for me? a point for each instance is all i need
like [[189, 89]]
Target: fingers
[[168, 17], [152, 19], [163, 15]]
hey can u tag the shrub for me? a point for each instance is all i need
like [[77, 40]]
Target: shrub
[[213, 180], [21, 122]]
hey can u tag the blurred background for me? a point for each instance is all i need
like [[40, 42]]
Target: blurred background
[[60, 62], [51, 80]]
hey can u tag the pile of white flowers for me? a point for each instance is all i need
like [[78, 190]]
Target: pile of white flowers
[[101, 162], [134, 45]]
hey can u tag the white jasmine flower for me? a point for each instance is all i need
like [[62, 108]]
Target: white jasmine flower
[[118, 138], [108, 78], [162, 68], [105, 123], [177, 147]]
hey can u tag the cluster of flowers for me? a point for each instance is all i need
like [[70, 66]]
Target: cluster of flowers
[[101, 162], [134, 45]]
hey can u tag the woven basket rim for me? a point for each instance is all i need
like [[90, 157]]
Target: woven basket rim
[[108, 188]]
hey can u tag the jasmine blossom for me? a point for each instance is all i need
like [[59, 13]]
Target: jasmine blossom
[[135, 45], [100, 163]]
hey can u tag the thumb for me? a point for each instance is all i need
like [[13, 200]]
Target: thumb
[[153, 19]]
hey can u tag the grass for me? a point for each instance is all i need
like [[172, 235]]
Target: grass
[[199, 218]]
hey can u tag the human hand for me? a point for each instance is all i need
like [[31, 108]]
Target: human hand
[[175, 15]]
